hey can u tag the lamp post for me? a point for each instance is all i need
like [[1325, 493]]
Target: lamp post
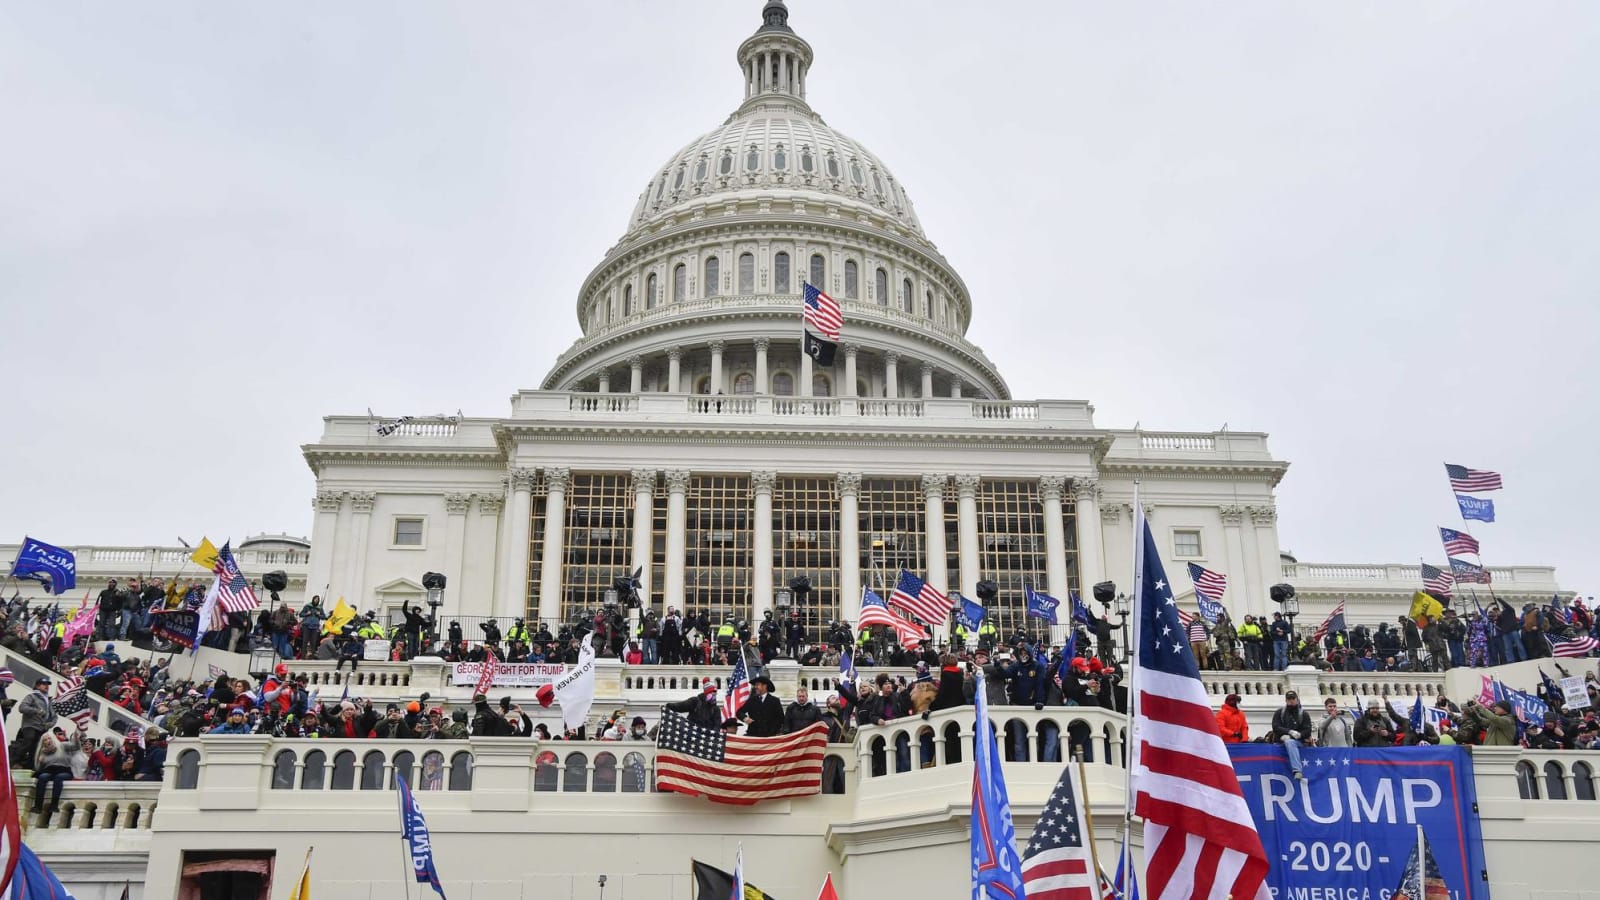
[[434, 583]]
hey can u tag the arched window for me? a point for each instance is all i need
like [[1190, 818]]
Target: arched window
[[605, 773], [1555, 781], [702, 385], [752, 159], [650, 298], [627, 300], [461, 771], [661, 187], [315, 773], [744, 383], [928, 310], [680, 282], [780, 159], [283, 771], [855, 172], [344, 770], [861, 388], [780, 273], [877, 182], [833, 165], [1582, 781], [188, 770], [880, 284], [432, 772], [574, 781], [403, 763], [821, 386], [1527, 781], [808, 163], [908, 300], [783, 384], [700, 169], [819, 272], [725, 167], [372, 771], [634, 778], [747, 273], [713, 277], [852, 280], [544, 771]]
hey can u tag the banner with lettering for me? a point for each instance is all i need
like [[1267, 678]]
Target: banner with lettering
[[179, 626], [1346, 831], [509, 674]]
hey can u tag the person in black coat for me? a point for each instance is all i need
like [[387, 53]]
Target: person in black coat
[[702, 709], [802, 713], [762, 714]]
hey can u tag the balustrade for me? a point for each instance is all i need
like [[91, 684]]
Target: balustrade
[[1202, 442], [103, 805]]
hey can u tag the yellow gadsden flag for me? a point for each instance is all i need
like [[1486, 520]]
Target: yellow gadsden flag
[[340, 617], [205, 555], [1424, 605], [302, 886]]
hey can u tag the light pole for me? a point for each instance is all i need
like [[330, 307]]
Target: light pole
[[434, 583]]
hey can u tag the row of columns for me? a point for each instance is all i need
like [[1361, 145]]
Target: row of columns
[[847, 388], [676, 482]]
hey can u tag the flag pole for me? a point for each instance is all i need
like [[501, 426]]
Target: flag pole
[[1088, 819], [1131, 748], [405, 846]]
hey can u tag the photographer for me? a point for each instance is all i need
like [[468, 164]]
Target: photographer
[[1335, 728], [1374, 729], [491, 631]]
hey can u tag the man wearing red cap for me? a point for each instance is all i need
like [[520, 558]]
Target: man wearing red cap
[[703, 708], [278, 690]]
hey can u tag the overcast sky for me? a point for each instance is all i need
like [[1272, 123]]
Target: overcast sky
[[1369, 229]]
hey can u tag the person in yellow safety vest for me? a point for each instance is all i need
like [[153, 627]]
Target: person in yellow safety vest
[[725, 634], [370, 631], [518, 632], [960, 634], [988, 634]]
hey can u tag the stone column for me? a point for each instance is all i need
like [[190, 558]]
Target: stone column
[[805, 374], [1264, 522], [927, 380], [605, 381], [644, 489], [324, 541], [849, 485], [891, 375], [636, 374], [762, 385], [677, 535], [555, 524], [848, 389], [1242, 600], [512, 594], [761, 576], [455, 540], [361, 503], [477, 583], [674, 370], [1055, 536], [716, 368], [938, 568], [1091, 552], [955, 387], [967, 523]]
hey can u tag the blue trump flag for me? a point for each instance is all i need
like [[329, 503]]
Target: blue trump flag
[[415, 831], [969, 614], [1349, 828], [847, 666], [1417, 716], [1041, 606], [996, 866], [58, 565], [1080, 609], [1474, 508]]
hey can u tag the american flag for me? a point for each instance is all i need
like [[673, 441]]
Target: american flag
[[1211, 584], [1436, 581], [1457, 543], [738, 689], [233, 590], [1057, 864], [1468, 481], [875, 612], [1199, 838], [727, 768], [10, 821], [1467, 573], [6, 676], [1574, 647], [1185, 619], [921, 599], [1334, 622], [822, 313], [72, 700]]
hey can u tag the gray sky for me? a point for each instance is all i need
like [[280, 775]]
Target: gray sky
[[1366, 228]]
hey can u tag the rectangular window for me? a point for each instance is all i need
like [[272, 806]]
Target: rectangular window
[[408, 532], [1011, 549], [1186, 543], [598, 539], [805, 541]]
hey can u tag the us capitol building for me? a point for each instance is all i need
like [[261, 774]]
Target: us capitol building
[[686, 434]]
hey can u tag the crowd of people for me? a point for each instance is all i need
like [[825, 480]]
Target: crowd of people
[[1499, 633]]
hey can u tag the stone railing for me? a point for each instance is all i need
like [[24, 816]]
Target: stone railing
[[98, 563], [1308, 681], [1202, 442], [1025, 735], [1061, 414], [322, 673], [104, 806], [1531, 581]]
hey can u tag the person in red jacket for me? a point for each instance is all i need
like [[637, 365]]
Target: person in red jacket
[[1231, 722]]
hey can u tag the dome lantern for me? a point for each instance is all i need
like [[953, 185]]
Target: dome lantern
[[774, 60]]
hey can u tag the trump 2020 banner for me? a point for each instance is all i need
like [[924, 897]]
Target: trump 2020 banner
[[1346, 831]]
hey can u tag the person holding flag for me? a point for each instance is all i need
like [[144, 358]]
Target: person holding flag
[[996, 866], [419, 843]]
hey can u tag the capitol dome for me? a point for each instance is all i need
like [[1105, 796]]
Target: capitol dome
[[702, 294]]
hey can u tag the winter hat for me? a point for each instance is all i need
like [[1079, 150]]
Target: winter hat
[[638, 720], [706, 687]]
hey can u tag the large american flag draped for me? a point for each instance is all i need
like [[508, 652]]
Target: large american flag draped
[[738, 690], [1574, 647], [921, 599], [875, 612], [72, 700], [1437, 581], [1199, 837], [1057, 864], [1457, 543], [727, 768], [233, 589], [1467, 481], [10, 820]]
